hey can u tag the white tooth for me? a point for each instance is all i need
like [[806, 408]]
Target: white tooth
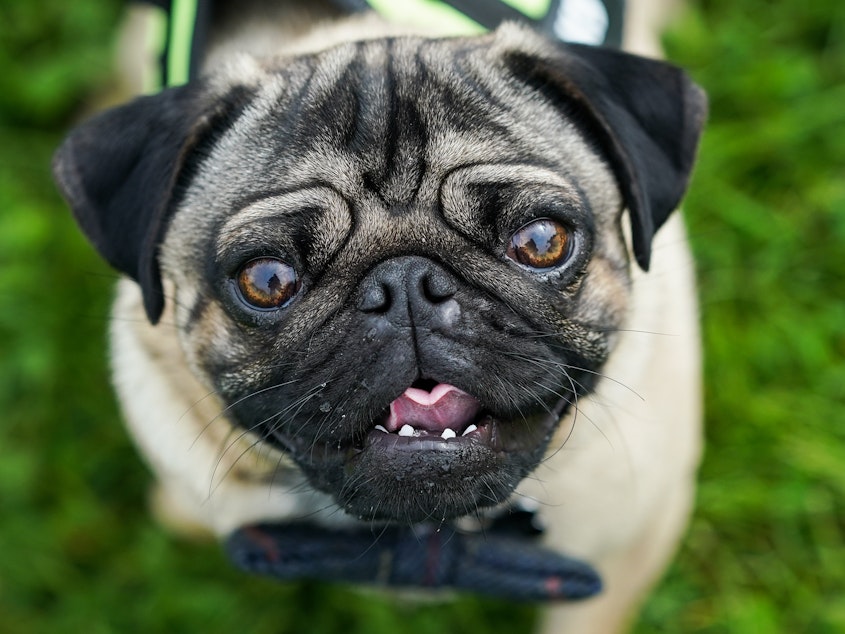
[[447, 434], [469, 430], [380, 428], [406, 430]]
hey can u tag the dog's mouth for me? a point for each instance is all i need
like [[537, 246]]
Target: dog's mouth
[[435, 452], [443, 412], [432, 416]]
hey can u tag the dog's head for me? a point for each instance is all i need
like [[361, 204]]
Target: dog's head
[[399, 261]]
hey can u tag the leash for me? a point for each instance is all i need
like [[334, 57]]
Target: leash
[[422, 557]]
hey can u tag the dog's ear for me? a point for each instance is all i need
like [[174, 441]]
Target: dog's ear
[[119, 172], [645, 115]]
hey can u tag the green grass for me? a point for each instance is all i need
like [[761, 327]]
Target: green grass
[[765, 552]]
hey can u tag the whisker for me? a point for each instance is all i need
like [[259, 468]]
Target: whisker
[[300, 402], [551, 364], [229, 407]]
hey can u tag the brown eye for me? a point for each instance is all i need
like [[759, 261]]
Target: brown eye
[[540, 244], [267, 283]]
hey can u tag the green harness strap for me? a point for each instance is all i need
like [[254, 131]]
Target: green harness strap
[[448, 16], [181, 37]]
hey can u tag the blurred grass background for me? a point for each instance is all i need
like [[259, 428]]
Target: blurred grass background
[[766, 549]]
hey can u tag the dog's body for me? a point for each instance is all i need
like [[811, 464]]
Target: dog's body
[[615, 479]]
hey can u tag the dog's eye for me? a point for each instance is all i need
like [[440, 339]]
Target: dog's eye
[[267, 283], [541, 244]]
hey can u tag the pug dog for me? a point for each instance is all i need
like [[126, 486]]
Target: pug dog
[[374, 277]]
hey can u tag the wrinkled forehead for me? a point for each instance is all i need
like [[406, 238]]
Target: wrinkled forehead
[[396, 115]]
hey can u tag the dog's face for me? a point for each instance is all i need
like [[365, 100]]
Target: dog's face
[[400, 262]]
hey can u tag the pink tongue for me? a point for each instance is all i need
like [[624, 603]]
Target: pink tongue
[[445, 407]]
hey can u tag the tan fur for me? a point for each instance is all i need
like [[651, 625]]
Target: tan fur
[[616, 488]]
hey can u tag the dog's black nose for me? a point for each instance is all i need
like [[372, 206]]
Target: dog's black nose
[[410, 290]]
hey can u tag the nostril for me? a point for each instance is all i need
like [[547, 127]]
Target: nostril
[[375, 299], [399, 287], [437, 287]]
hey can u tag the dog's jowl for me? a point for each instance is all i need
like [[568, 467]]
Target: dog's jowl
[[379, 279]]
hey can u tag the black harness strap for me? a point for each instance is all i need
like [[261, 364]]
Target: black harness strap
[[488, 13]]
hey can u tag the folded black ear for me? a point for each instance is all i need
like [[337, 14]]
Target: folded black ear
[[119, 171], [645, 115]]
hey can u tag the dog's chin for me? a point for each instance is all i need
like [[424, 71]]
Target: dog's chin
[[431, 456]]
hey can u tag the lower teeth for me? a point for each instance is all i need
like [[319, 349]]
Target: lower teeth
[[409, 431]]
